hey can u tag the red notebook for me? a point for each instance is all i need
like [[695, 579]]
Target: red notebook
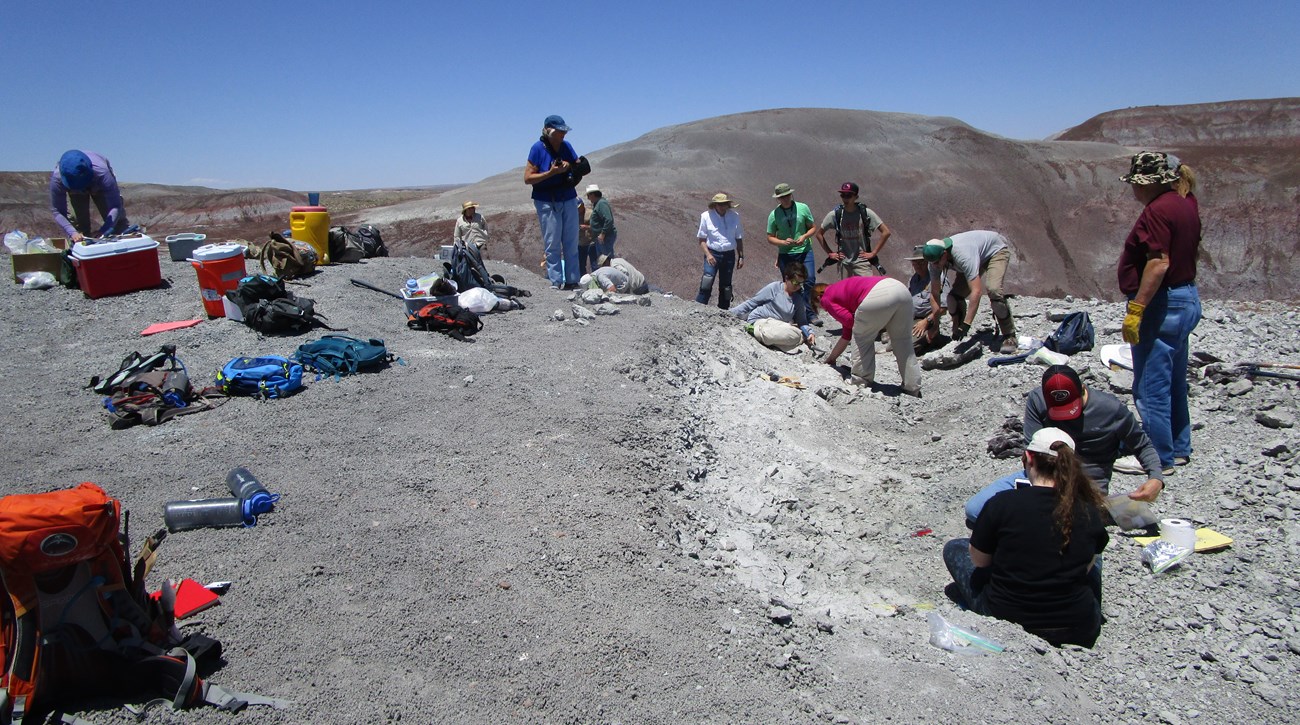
[[192, 598]]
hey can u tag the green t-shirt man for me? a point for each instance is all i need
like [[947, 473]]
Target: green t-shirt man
[[791, 223]]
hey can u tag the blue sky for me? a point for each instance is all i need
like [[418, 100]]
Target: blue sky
[[359, 94]]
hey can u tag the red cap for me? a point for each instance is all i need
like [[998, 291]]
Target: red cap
[[848, 187], [1063, 392]]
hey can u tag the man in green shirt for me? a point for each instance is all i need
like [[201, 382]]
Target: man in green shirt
[[789, 227]]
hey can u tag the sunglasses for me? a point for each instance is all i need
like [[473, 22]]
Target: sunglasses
[[845, 195]]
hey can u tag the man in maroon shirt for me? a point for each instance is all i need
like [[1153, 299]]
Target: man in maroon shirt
[[1157, 272]]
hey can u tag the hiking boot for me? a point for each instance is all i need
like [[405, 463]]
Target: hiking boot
[[817, 322], [1009, 345], [1130, 465], [1182, 460]]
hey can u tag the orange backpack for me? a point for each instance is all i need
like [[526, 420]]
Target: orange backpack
[[75, 619]]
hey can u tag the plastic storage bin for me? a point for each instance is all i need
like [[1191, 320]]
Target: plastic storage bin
[[182, 246], [115, 268]]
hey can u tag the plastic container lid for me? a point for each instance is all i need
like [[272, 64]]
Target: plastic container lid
[[81, 250], [310, 208], [186, 237], [212, 252]]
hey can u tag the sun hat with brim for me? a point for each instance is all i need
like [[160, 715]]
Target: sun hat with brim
[[75, 170], [1063, 392], [918, 254], [1151, 167], [782, 190], [469, 205], [556, 123], [934, 249], [1045, 438], [722, 199]]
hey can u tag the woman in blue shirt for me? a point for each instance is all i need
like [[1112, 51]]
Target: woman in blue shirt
[[549, 172]]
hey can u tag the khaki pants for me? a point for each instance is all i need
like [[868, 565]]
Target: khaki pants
[[993, 273], [888, 307]]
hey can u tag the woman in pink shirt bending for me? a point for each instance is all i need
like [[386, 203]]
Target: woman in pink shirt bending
[[864, 306]]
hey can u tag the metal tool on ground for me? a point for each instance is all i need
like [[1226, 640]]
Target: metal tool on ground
[[380, 290]]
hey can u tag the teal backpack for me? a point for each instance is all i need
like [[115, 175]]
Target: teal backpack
[[339, 355], [268, 376]]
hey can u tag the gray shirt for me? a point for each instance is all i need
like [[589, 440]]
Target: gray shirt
[[474, 230], [1105, 425], [972, 250], [771, 302], [851, 238], [920, 288]]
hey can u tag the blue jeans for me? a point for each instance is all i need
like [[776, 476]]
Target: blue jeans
[[975, 504], [1160, 370], [559, 221], [603, 248], [970, 580], [722, 270], [809, 263]]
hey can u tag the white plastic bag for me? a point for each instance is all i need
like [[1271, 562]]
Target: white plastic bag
[[37, 280], [947, 636], [477, 300], [16, 241]]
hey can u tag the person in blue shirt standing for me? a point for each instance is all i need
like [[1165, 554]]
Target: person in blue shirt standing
[[549, 171], [80, 178]]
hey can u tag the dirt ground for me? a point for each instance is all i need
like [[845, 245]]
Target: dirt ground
[[609, 520]]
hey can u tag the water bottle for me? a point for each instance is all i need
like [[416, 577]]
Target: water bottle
[[412, 287], [245, 487], [182, 515]]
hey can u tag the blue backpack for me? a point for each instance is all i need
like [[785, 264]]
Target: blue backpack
[[340, 355], [1074, 335], [268, 376]]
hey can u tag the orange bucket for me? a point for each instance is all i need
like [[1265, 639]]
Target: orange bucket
[[220, 267]]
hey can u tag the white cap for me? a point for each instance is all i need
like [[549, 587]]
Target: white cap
[[1044, 439], [591, 188]]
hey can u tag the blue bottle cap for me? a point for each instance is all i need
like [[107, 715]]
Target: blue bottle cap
[[257, 504]]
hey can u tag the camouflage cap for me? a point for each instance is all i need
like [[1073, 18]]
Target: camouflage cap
[[1152, 167]]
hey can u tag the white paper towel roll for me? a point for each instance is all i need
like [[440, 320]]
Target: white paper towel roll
[[1179, 532]]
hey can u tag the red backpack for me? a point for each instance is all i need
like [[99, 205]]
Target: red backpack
[[75, 620]]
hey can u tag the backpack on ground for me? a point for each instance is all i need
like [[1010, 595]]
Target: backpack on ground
[[1073, 335], [132, 364], [287, 314], [371, 242], [288, 258], [257, 287], [156, 395], [445, 317], [340, 355], [345, 245], [268, 376], [467, 270], [76, 623]]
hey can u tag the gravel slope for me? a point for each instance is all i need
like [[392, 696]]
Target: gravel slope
[[594, 522]]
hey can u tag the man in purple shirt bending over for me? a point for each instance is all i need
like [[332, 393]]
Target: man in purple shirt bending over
[[82, 177]]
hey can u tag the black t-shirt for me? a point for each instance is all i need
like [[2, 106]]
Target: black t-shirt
[[1031, 582]]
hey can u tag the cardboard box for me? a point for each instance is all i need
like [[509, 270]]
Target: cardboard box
[[47, 262], [115, 268]]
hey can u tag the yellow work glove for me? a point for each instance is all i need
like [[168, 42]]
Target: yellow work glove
[[1132, 321]]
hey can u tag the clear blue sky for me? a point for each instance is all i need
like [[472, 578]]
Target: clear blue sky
[[346, 94]]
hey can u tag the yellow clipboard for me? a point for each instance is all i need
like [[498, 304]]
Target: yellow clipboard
[[1207, 539]]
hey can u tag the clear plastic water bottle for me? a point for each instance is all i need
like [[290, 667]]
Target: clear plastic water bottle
[[244, 486], [183, 515], [412, 287]]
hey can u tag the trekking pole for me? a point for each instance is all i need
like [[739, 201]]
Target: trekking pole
[[381, 290]]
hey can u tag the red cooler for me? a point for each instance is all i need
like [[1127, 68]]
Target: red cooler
[[118, 267], [220, 267]]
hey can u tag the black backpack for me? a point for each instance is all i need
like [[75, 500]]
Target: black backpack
[[1075, 334], [257, 287], [466, 268], [372, 244], [285, 314], [445, 317], [345, 245]]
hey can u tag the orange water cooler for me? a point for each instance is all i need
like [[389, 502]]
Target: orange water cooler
[[219, 268], [311, 224]]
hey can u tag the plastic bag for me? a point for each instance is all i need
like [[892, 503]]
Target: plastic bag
[[477, 300], [1161, 555], [1128, 513], [38, 280], [16, 241], [950, 637]]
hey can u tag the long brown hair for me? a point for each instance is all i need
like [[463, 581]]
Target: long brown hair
[[818, 290], [1186, 183], [1073, 487]]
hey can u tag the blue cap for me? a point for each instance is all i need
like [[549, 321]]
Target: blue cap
[[556, 123], [75, 170], [258, 504]]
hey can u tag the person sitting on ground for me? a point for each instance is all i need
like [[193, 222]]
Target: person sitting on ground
[[1100, 422], [470, 227], [919, 286], [980, 258], [1029, 557], [616, 275], [864, 306], [776, 316], [80, 178]]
